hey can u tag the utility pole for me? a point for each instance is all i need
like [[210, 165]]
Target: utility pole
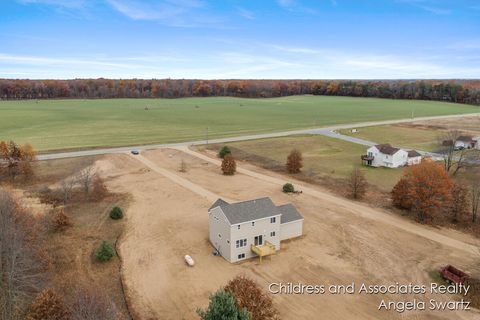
[[413, 113], [206, 135]]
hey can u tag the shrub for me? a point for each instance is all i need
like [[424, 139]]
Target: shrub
[[223, 306], [61, 221], [288, 188], [229, 166], [105, 252], [48, 305], [224, 151], [116, 213]]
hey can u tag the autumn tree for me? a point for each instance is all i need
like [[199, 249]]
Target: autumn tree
[[48, 305], [60, 220], [458, 202], [357, 184], [425, 189], [229, 165], [223, 306], [66, 190], [250, 296], [15, 159], [294, 161]]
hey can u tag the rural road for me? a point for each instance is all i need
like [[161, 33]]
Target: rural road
[[327, 131]]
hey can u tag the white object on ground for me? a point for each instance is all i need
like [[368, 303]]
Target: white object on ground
[[189, 260]]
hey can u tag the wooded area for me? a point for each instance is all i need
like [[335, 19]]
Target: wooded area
[[461, 91]]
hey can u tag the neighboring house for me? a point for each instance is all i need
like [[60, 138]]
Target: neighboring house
[[414, 158], [251, 228], [384, 155], [465, 142]]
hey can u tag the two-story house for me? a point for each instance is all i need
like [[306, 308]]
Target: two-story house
[[384, 155], [251, 228]]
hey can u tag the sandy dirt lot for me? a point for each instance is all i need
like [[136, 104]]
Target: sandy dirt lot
[[344, 242]]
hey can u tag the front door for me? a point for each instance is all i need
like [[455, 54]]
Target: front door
[[259, 240]]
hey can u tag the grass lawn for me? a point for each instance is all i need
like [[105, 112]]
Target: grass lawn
[[322, 156], [400, 136], [70, 124]]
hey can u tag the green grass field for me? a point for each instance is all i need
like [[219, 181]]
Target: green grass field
[[71, 124], [322, 157], [400, 136]]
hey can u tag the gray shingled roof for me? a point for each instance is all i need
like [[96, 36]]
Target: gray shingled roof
[[289, 213], [256, 209]]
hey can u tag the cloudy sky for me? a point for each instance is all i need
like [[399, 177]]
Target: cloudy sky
[[306, 39]]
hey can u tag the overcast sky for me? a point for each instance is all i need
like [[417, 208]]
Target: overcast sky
[[305, 39]]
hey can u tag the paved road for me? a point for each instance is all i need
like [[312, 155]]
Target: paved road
[[327, 131]]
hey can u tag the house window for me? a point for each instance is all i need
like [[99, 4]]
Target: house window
[[241, 243], [273, 220], [272, 234], [253, 223], [241, 256], [238, 227]]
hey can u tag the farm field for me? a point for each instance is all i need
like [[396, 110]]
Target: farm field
[[167, 220], [420, 135], [74, 124], [323, 157]]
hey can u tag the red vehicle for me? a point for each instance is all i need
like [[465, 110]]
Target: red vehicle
[[452, 274]]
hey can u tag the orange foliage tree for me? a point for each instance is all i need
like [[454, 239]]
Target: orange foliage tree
[[424, 189], [294, 161], [229, 166], [248, 295], [15, 159]]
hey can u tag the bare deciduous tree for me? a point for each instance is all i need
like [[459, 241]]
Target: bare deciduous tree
[[453, 159], [85, 178], [92, 303], [22, 264], [357, 184], [66, 189]]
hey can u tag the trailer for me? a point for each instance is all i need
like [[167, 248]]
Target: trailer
[[453, 275]]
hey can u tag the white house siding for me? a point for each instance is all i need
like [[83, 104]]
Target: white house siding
[[414, 160], [291, 229], [396, 160], [262, 227], [220, 232]]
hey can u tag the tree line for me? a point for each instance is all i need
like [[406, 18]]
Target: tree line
[[460, 91]]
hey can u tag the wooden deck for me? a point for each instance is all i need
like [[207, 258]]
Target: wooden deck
[[263, 250]]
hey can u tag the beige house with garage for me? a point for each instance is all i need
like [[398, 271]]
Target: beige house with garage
[[251, 228]]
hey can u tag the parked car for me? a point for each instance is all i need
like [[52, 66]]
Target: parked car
[[135, 152]]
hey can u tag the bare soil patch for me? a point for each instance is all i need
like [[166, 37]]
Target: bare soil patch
[[167, 220]]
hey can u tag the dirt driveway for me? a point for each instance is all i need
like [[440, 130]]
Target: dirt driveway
[[343, 242]]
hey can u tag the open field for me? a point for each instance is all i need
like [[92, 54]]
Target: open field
[[421, 135], [324, 157], [343, 242], [74, 124]]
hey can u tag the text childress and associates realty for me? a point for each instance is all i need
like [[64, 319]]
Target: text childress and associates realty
[[390, 289]]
